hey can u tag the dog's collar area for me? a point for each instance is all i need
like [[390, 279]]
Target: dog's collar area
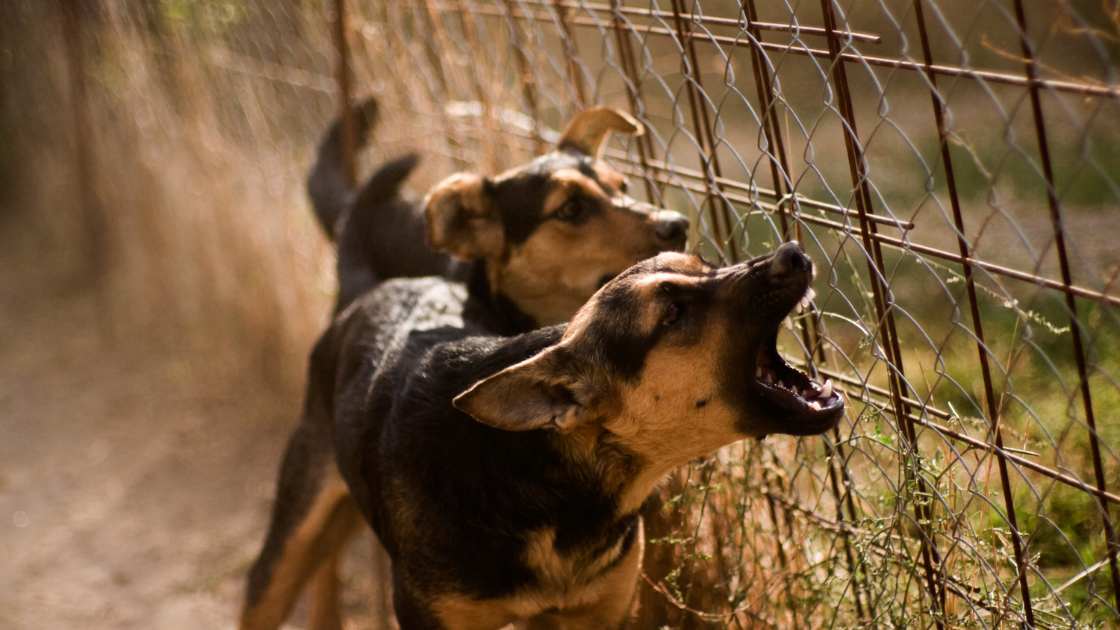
[[509, 319], [617, 541]]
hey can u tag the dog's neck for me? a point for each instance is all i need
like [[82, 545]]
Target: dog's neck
[[606, 522], [624, 477], [507, 318]]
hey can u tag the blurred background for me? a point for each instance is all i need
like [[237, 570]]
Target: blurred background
[[951, 165]]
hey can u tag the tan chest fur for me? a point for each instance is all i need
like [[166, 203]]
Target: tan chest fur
[[573, 583]]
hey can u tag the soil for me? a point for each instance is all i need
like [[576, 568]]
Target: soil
[[135, 484]]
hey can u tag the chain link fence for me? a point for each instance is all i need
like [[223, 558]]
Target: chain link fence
[[950, 165]]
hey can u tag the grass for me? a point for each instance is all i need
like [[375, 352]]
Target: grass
[[1029, 341]]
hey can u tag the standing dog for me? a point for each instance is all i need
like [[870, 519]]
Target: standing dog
[[544, 235], [504, 474], [532, 245]]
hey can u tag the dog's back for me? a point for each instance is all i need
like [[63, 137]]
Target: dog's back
[[379, 233]]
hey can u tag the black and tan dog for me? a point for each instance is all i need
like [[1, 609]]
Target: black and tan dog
[[545, 234], [530, 245], [504, 474]]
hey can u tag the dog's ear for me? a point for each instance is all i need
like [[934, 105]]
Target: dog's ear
[[588, 130], [462, 219], [546, 391]]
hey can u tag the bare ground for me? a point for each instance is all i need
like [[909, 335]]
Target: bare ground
[[134, 484]]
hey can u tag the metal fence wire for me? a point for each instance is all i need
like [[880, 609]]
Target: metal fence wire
[[950, 165]]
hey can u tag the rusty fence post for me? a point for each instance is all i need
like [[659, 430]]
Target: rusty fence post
[[884, 315], [1031, 63], [632, 79], [571, 54], [992, 405], [703, 128], [811, 330], [344, 79], [525, 75], [93, 220], [343, 76]]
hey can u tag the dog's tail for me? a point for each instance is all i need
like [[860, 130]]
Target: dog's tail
[[381, 187], [378, 233], [363, 234], [327, 183]]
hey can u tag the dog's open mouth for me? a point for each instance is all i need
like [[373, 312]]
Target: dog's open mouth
[[810, 407]]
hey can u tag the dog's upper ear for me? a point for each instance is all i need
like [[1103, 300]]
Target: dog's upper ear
[[546, 391], [461, 218], [588, 130]]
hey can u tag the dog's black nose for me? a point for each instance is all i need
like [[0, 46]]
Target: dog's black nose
[[671, 226], [789, 258]]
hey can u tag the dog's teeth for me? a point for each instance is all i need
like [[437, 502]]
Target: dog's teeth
[[807, 300], [812, 391], [758, 372], [826, 389], [815, 405]]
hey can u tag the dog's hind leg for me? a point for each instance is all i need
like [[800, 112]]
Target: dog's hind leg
[[312, 519], [325, 583]]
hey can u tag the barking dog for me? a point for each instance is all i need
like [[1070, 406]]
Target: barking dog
[[531, 246], [504, 474], [544, 235]]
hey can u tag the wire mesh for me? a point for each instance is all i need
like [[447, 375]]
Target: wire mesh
[[951, 167]]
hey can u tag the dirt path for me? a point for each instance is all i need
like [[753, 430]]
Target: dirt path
[[134, 488]]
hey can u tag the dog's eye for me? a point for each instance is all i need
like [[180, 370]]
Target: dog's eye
[[624, 187], [572, 211], [673, 314]]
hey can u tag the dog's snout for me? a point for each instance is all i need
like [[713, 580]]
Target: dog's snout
[[789, 258], [670, 226]]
